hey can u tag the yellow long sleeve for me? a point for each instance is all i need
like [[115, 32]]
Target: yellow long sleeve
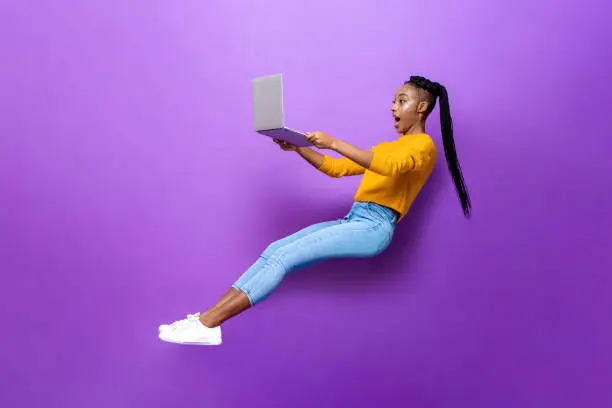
[[340, 167], [402, 156]]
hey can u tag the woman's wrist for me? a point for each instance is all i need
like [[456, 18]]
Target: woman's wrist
[[334, 145]]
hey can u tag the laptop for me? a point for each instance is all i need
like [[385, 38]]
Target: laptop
[[268, 111]]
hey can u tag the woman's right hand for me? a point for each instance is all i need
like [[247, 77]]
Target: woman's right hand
[[314, 158], [288, 147]]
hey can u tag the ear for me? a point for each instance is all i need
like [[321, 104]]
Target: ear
[[422, 107]]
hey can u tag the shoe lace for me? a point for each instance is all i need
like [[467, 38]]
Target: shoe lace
[[189, 318]]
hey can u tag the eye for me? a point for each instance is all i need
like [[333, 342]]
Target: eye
[[403, 101]]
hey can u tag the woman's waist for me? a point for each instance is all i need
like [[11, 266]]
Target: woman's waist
[[375, 210]]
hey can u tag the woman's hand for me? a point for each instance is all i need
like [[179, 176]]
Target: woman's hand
[[321, 140], [288, 147]]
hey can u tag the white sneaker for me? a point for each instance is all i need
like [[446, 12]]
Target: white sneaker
[[190, 331]]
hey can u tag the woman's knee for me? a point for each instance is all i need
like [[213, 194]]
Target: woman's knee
[[271, 249]]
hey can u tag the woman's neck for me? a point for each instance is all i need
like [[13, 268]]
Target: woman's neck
[[417, 128]]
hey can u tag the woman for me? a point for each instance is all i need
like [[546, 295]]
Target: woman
[[393, 174]]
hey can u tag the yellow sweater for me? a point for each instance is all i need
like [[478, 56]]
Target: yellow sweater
[[397, 172]]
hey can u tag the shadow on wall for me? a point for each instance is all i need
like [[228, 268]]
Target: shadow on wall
[[364, 275]]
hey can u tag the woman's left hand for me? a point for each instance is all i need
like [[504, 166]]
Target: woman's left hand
[[321, 140]]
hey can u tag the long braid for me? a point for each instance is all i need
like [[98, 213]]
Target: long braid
[[446, 121]]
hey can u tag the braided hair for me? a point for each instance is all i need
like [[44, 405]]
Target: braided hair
[[438, 91]]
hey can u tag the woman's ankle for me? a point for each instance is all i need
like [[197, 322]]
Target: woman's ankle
[[208, 320]]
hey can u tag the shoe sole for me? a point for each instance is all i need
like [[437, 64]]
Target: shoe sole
[[193, 343]]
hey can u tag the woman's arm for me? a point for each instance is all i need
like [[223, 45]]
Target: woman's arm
[[324, 141], [312, 157], [328, 165], [403, 157], [325, 164], [360, 156]]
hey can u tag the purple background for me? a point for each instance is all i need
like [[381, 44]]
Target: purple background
[[133, 192]]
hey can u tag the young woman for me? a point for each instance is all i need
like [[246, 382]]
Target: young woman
[[393, 174]]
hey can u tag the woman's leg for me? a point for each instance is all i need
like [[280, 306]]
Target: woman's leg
[[365, 232], [206, 331], [238, 296], [226, 296], [346, 239]]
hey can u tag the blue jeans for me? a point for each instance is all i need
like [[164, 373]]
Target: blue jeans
[[365, 231]]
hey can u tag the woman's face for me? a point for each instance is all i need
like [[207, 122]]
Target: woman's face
[[407, 108]]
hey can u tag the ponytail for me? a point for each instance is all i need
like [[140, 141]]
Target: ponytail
[[446, 122]]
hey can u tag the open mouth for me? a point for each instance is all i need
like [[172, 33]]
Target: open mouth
[[397, 119]]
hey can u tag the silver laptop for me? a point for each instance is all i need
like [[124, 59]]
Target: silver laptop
[[268, 111]]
